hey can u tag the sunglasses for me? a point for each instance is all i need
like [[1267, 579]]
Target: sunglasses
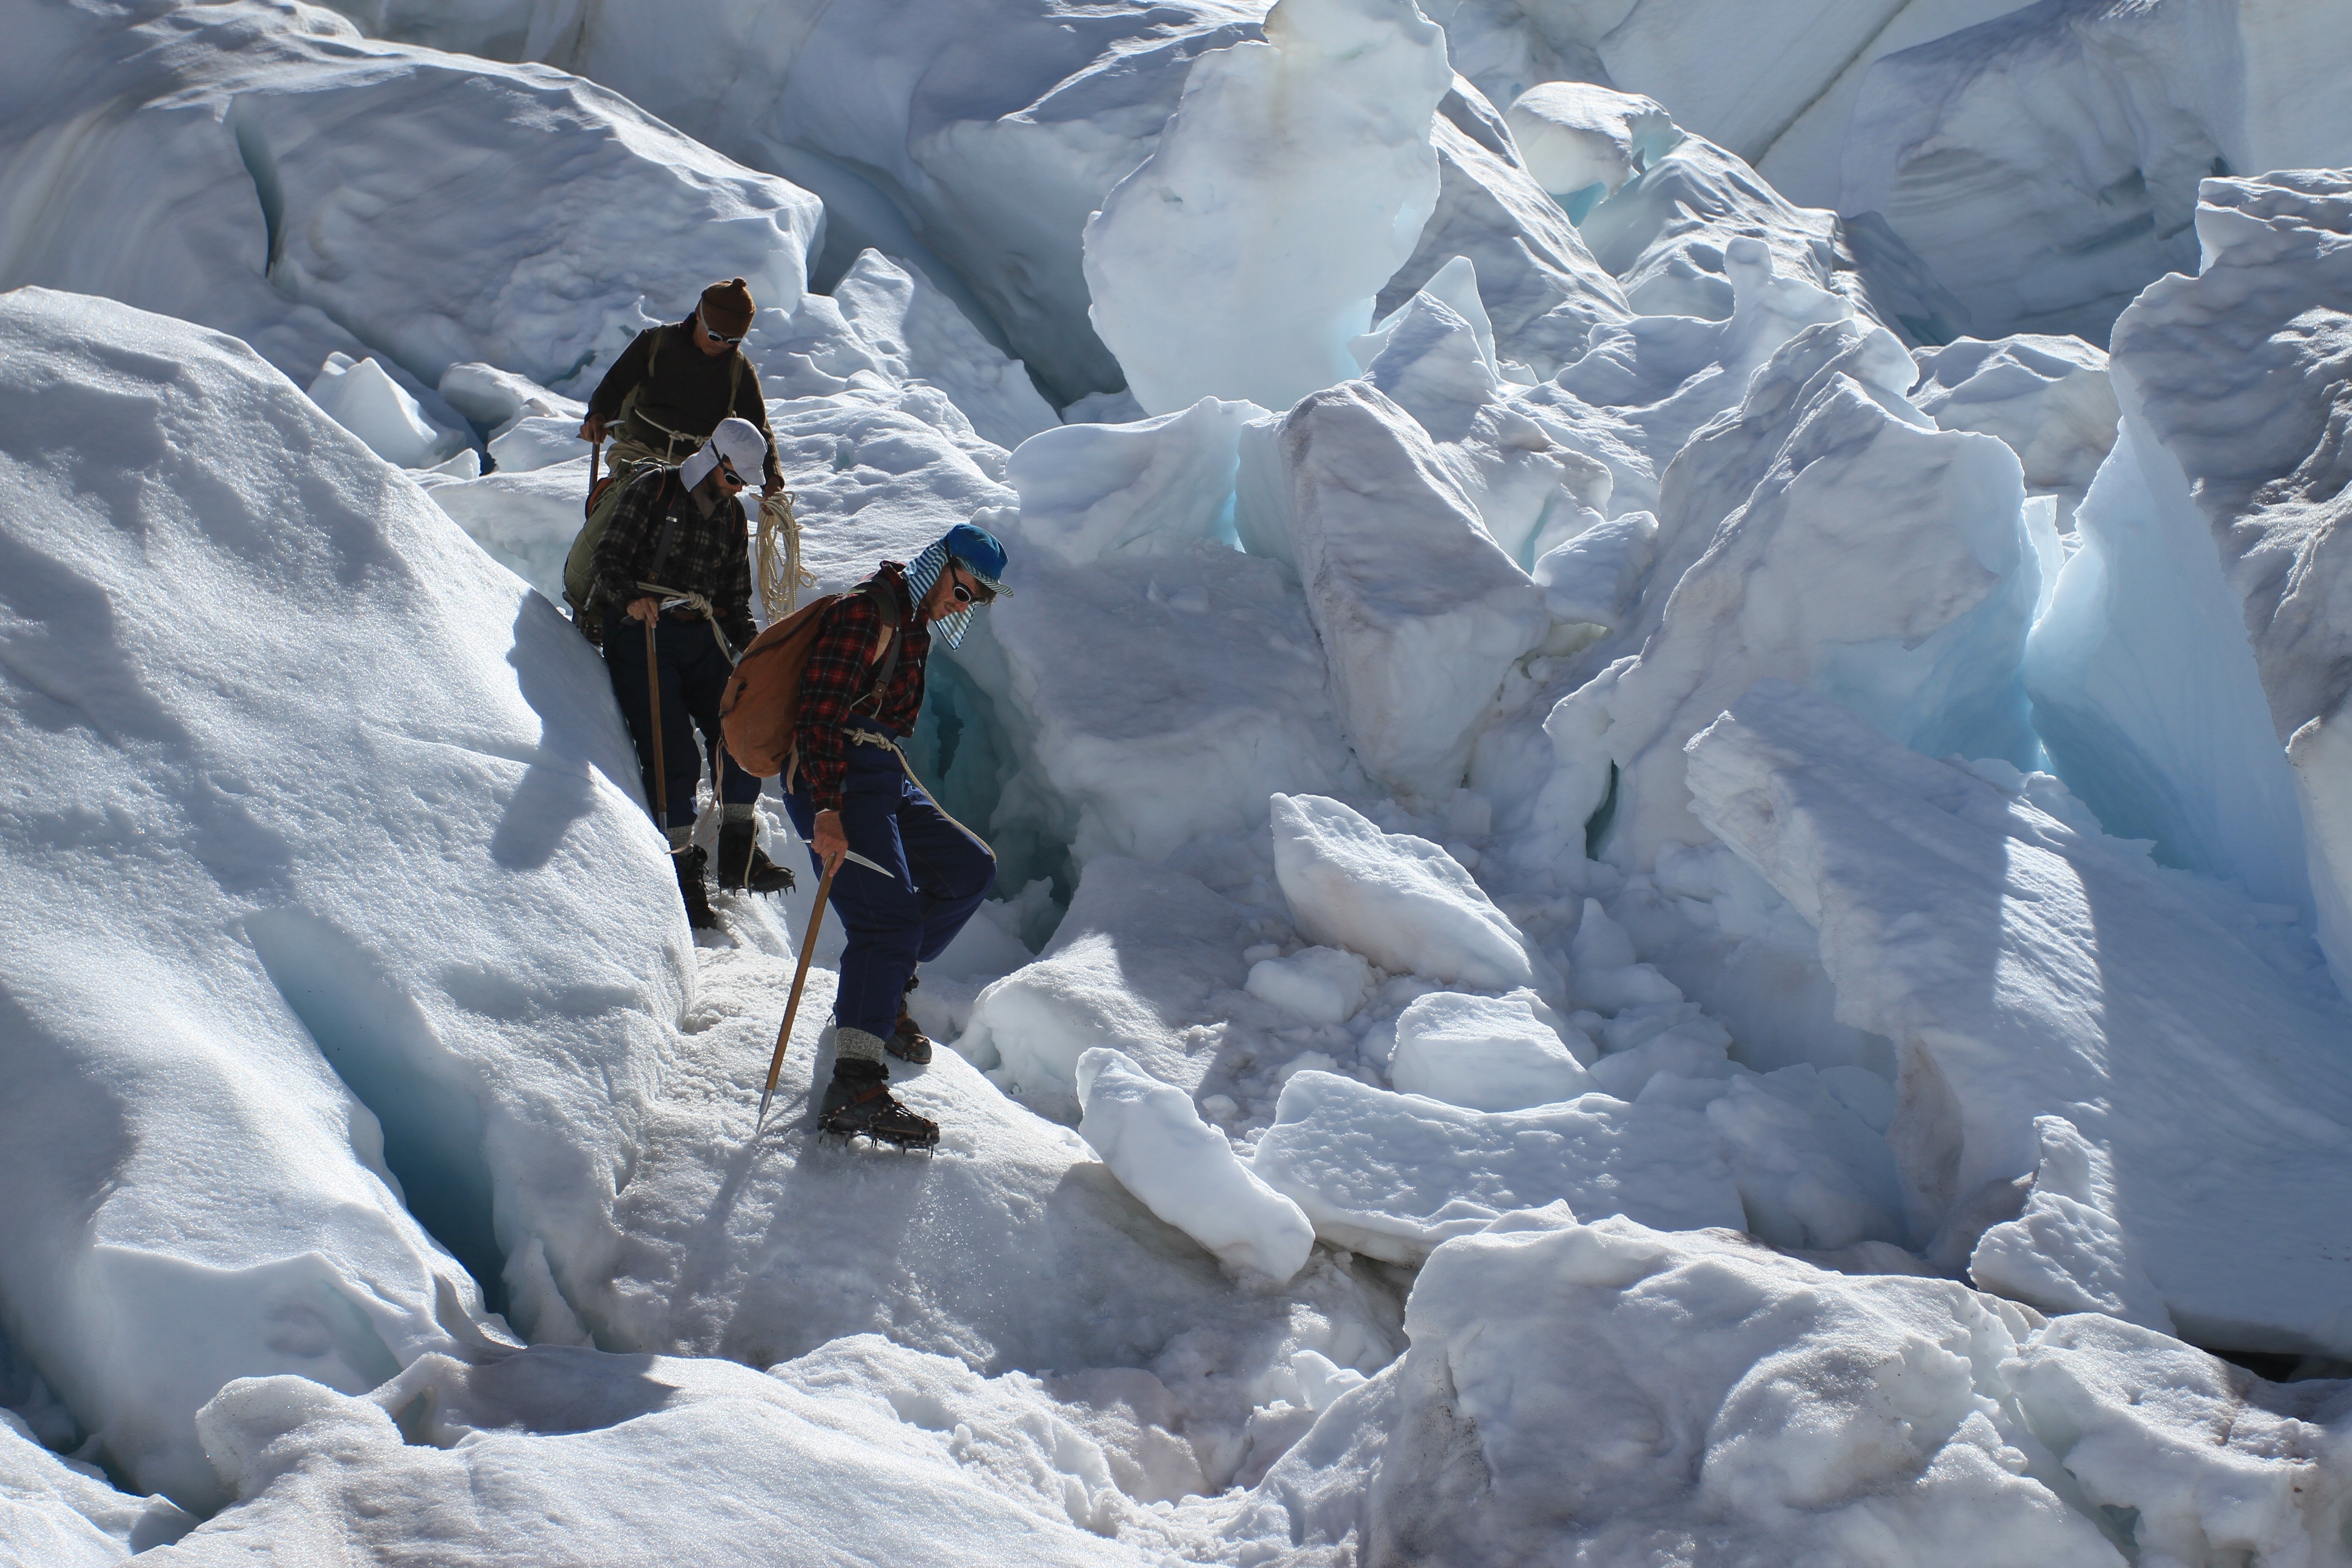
[[717, 337], [728, 469], [964, 596]]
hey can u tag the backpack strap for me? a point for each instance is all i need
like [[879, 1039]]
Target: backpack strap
[[669, 524], [886, 604]]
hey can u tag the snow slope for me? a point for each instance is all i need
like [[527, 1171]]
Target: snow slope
[[324, 811]]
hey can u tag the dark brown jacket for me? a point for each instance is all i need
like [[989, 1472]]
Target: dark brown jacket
[[688, 392]]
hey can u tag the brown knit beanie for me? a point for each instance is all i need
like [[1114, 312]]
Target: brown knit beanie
[[726, 308]]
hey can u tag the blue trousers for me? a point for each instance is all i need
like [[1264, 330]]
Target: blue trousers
[[939, 873], [693, 679]]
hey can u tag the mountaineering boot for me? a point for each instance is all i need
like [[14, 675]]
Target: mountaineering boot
[[743, 864], [690, 887], [907, 1042], [858, 1102]]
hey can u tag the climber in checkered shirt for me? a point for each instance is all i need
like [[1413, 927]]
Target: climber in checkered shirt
[[849, 789]]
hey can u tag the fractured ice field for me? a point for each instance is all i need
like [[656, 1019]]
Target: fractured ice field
[[1669, 770]]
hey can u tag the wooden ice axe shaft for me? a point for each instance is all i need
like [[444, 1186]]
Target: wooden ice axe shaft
[[800, 979]]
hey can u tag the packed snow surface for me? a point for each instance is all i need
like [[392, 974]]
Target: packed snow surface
[[1667, 853]]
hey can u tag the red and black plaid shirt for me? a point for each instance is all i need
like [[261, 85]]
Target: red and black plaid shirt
[[836, 684]]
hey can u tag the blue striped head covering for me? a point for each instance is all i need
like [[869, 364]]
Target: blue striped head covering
[[978, 552]]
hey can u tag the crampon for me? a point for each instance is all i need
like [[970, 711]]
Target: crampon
[[855, 1107]]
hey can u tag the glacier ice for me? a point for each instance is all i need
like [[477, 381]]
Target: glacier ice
[[1420, 612], [1242, 254], [1927, 634], [2233, 389], [261, 169], [2048, 158], [2028, 967], [1286, 828]]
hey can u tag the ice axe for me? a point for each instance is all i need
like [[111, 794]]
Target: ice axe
[[800, 979], [653, 710]]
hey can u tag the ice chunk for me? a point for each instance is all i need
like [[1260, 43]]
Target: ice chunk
[[313, 937], [2027, 968], [370, 405], [1420, 612], [1393, 1175], [2069, 1252], [1488, 1053], [1537, 282], [2206, 1459], [1597, 1388], [1241, 257], [1398, 899], [2049, 160], [1581, 142], [1131, 965], [1666, 235], [1324, 985], [1184, 1171], [1884, 565], [1092, 491], [1595, 577], [497, 399], [1435, 359], [540, 441], [2048, 397]]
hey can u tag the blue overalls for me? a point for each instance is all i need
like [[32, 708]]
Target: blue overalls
[[939, 873]]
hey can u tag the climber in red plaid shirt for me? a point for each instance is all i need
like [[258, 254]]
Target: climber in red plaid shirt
[[918, 874]]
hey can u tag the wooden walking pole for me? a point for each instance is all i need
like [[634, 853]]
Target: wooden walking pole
[[652, 709], [800, 978], [596, 451]]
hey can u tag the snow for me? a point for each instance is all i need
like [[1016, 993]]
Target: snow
[[1398, 899], [1323, 985], [2028, 967], [62, 1514], [1184, 1171], [1496, 1040], [261, 169], [503, 1472], [1239, 258]]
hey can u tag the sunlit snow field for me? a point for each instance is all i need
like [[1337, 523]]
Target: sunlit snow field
[[1669, 769]]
